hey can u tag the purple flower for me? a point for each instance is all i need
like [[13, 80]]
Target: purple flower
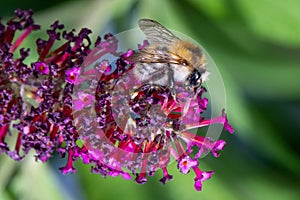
[[186, 163], [83, 100], [72, 74], [200, 177], [41, 67], [124, 132]]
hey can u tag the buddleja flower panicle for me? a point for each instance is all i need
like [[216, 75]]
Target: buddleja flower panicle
[[41, 106]]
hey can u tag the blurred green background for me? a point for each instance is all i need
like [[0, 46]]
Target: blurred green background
[[256, 46]]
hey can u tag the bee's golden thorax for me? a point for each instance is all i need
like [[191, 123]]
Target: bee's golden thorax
[[188, 51]]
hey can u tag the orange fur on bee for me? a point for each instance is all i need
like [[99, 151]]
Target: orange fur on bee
[[187, 50], [180, 48]]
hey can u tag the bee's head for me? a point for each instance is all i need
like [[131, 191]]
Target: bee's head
[[194, 80]]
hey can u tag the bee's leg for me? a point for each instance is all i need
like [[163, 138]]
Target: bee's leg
[[171, 83]]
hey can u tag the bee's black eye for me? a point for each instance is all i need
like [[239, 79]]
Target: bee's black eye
[[194, 79]]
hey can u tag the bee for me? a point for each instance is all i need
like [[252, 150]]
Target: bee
[[168, 59]]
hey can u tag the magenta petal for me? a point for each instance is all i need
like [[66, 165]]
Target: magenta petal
[[41, 67], [141, 178], [126, 176], [145, 44], [186, 163], [15, 155], [198, 180], [72, 75], [206, 175], [78, 104], [219, 146], [67, 169], [227, 126], [198, 185], [166, 177], [85, 158]]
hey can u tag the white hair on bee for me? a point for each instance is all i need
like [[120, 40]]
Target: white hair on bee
[[205, 75]]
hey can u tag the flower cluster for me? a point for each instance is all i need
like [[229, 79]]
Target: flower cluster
[[53, 103], [35, 99]]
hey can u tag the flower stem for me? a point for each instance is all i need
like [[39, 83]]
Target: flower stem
[[20, 39]]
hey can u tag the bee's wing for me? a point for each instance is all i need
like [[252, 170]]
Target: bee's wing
[[152, 54], [156, 33], [158, 52]]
